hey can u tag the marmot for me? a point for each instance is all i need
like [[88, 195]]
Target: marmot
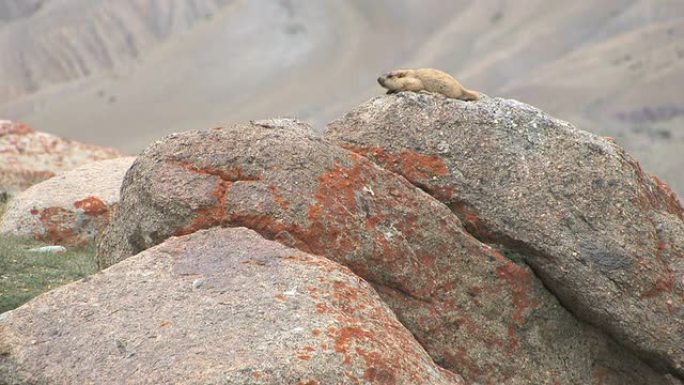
[[426, 79]]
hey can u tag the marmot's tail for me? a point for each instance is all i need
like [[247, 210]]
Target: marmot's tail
[[470, 95]]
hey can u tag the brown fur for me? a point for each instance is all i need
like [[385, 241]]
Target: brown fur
[[426, 79]]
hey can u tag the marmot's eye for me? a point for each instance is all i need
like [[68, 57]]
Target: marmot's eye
[[401, 74]]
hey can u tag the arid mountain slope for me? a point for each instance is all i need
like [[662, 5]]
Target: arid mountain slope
[[124, 73]]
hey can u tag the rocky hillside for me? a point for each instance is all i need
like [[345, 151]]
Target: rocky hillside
[[49, 42], [144, 68]]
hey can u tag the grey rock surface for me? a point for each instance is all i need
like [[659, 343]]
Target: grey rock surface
[[221, 306], [604, 237], [475, 311], [71, 208]]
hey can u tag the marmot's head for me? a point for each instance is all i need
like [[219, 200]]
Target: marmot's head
[[400, 80]]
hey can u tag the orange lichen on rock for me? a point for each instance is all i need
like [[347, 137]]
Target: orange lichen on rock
[[600, 374], [92, 206], [214, 214], [231, 175], [278, 197], [469, 367], [413, 166], [672, 203], [335, 207], [513, 339], [55, 221], [344, 337], [281, 297], [206, 217], [472, 222], [418, 167], [377, 371], [307, 350], [520, 281], [666, 283], [322, 308], [16, 128], [654, 193]]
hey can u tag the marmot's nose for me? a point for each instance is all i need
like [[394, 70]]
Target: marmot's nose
[[381, 80]]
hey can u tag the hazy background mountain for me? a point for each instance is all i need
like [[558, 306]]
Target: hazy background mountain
[[122, 73]]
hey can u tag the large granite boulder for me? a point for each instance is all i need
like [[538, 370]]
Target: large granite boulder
[[28, 157], [475, 311], [606, 238], [221, 306], [71, 208]]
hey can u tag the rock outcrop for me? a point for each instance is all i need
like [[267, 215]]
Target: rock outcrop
[[477, 312], [217, 306], [604, 237], [28, 157], [71, 208]]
